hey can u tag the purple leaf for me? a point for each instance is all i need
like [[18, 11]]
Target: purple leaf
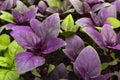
[[88, 59], [96, 19], [85, 22], [60, 73], [7, 4], [17, 16], [74, 46], [104, 77], [52, 26], [107, 12], [42, 7], [78, 5], [93, 1], [96, 36], [118, 38], [35, 24], [30, 14], [119, 75], [26, 61], [115, 47], [81, 71], [26, 39], [54, 10], [49, 28], [100, 6], [108, 35], [117, 4], [52, 45]]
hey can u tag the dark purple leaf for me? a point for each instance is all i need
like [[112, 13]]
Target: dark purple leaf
[[95, 35], [104, 77], [118, 38], [107, 12], [52, 45], [35, 24], [42, 7], [17, 16], [74, 46], [81, 71], [78, 5], [60, 73], [30, 14], [117, 4], [93, 1], [115, 47], [26, 39], [85, 22], [108, 34], [119, 75], [96, 19], [26, 61], [88, 59], [49, 28], [100, 6]]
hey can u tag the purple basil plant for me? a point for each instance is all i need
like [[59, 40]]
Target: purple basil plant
[[64, 7], [42, 7], [98, 19], [40, 39], [106, 39], [73, 47], [85, 60], [88, 66], [7, 4], [22, 14]]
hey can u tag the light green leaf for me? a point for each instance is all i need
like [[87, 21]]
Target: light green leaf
[[21, 78], [68, 24], [54, 3], [104, 65], [3, 62], [113, 55], [34, 72], [51, 68], [13, 50], [69, 68], [6, 16], [114, 62], [115, 22], [4, 41], [8, 74]]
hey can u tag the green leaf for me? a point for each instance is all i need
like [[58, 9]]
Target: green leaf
[[51, 68], [21, 78], [104, 66], [8, 74], [68, 24], [98, 28], [112, 55], [13, 50], [115, 22], [34, 72], [4, 41], [69, 68], [6, 16], [3, 62], [54, 3], [114, 62]]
